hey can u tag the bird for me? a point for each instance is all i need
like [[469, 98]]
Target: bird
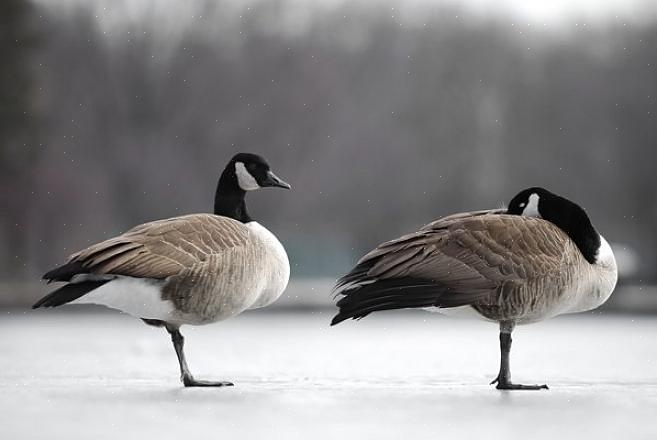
[[189, 270], [538, 258]]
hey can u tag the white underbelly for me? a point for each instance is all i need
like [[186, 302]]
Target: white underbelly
[[139, 297], [466, 312]]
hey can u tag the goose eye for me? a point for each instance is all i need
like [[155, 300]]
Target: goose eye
[[252, 166], [522, 205]]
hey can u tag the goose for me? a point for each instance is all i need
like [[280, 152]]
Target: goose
[[539, 258], [194, 269]]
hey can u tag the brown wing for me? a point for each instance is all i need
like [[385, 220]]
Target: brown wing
[[437, 225], [162, 248], [454, 261], [491, 248]]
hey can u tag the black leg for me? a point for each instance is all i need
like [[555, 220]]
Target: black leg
[[185, 376], [503, 379]]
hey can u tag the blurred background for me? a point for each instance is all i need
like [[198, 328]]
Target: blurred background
[[383, 115]]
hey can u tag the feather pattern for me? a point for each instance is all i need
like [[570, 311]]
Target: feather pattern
[[163, 248], [507, 267]]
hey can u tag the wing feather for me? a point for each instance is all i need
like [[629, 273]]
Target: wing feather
[[162, 248]]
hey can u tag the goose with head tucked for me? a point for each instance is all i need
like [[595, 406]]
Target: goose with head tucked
[[539, 258], [193, 269]]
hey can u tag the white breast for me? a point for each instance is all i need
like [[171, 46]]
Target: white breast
[[276, 266], [596, 285], [605, 256]]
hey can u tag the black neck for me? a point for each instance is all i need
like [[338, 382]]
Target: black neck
[[229, 199], [574, 222]]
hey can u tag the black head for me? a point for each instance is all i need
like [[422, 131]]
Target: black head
[[568, 216], [245, 172], [527, 202], [249, 172]]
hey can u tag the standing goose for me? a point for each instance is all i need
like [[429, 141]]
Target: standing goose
[[194, 269], [537, 259]]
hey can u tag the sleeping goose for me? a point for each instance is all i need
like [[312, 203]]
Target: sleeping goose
[[537, 259], [194, 269]]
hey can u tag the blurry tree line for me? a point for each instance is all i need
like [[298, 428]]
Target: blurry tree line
[[381, 121], [18, 38]]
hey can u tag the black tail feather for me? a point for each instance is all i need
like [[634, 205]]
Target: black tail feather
[[397, 293], [357, 273], [68, 293], [400, 293], [65, 272]]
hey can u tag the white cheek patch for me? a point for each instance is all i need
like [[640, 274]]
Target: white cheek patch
[[532, 207], [246, 181]]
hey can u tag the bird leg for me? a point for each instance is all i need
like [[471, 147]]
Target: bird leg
[[185, 376], [503, 379]]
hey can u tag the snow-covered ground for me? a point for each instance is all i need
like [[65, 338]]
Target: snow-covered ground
[[79, 375]]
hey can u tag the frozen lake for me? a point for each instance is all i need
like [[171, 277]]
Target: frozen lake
[[75, 374]]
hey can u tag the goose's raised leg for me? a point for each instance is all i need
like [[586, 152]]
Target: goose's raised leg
[[185, 376], [503, 379]]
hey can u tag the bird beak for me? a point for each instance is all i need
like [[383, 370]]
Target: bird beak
[[273, 180]]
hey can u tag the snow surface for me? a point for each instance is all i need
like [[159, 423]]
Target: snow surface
[[75, 374]]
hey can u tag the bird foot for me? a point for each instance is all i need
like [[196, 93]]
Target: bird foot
[[507, 385], [189, 381]]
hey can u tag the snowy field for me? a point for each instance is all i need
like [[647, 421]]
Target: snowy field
[[73, 374]]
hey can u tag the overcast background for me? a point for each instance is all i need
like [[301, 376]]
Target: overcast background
[[383, 115]]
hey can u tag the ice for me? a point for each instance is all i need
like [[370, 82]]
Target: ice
[[74, 374]]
